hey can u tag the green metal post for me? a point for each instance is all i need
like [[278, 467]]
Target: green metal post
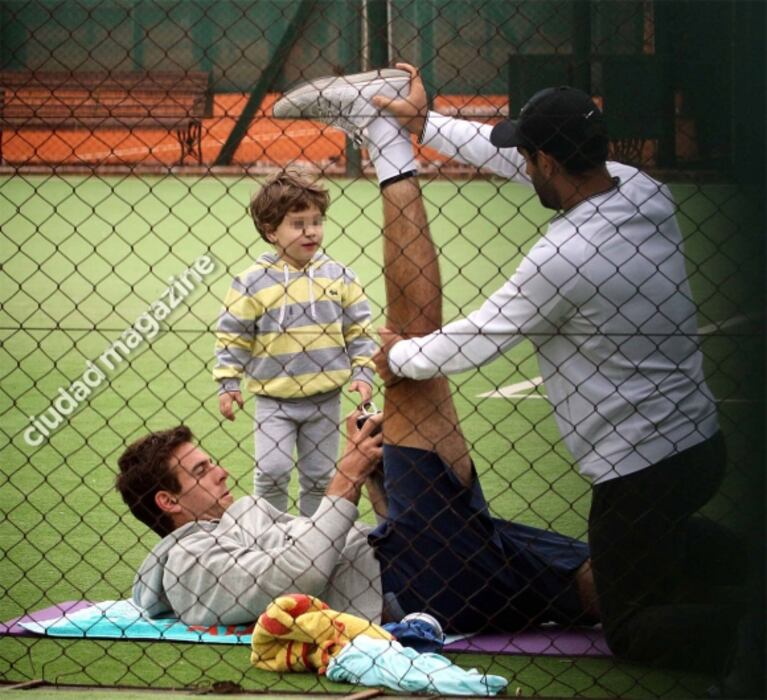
[[748, 135], [582, 44], [137, 49], [378, 33], [665, 12], [425, 18], [204, 47], [350, 55], [281, 51]]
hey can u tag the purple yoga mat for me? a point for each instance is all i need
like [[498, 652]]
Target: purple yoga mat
[[543, 641], [12, 627]]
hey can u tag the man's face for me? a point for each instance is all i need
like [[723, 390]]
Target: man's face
[[541, 177], [299, 236], [204, 494]]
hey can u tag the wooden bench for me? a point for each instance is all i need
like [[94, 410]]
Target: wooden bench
[[92, 100], [483, 108]]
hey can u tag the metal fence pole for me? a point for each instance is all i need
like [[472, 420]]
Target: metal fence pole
[[377, 33], [351, 60]]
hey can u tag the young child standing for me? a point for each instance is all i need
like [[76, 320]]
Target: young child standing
[[295, 324]]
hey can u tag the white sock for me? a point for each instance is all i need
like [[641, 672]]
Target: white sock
[[390, 148]]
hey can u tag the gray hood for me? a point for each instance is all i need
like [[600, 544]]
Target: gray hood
[[225, 572], [148, 586]]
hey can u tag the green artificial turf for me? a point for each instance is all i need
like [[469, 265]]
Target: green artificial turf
[[84, 257], [166, 666]]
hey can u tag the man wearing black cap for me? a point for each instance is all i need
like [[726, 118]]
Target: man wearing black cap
[[604, 298], [437, 549]]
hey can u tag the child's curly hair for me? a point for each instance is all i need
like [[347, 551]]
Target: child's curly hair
[[290, 190]]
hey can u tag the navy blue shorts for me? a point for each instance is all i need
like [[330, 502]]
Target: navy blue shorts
[[441, 552]]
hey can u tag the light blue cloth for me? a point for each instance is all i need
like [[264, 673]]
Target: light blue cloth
[[377, 662], [123, 619]]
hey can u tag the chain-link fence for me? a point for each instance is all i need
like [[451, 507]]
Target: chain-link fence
[[619, 336]]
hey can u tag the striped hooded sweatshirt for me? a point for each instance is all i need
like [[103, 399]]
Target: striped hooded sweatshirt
[[294, 333]]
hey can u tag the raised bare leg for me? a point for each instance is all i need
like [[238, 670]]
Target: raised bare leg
[[417, 414]]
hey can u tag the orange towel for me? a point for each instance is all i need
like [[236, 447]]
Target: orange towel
[[300, 633]]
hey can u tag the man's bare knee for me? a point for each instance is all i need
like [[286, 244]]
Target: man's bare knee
[[411, 268], [422, 415]]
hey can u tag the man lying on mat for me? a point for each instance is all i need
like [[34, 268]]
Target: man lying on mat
[[437, 548]]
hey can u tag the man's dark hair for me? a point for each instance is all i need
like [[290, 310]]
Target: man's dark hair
[[578, 159], [580, 162], [145, 470]]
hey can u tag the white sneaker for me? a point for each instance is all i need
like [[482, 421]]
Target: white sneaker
[[343, 101]]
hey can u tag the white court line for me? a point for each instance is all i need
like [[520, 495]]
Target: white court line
[[729, 323], [524, 390], [513, 392], [521, 390], [206, 143]]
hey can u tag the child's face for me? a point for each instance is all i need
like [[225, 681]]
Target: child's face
[[299, 236]]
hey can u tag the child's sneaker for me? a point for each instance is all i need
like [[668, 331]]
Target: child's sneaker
[[343, 101]]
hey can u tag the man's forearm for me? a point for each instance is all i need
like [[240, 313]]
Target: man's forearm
[[469, 142], [351, 472], [344, 487], [460, 346]]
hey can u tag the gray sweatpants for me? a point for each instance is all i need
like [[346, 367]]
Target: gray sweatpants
[[311, 426]]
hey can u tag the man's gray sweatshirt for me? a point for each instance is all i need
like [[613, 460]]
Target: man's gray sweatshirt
[[227, 571]]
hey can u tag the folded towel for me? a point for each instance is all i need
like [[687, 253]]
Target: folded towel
[[377, 662]]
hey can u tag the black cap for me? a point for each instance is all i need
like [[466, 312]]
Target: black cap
[[561, 121]]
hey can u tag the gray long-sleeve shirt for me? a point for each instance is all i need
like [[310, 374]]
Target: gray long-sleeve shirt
[[227, 571], [604, 298]]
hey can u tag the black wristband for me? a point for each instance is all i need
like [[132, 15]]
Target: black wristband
[[396, 178]]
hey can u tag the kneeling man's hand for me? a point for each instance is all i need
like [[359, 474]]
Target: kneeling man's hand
[[381, 359]]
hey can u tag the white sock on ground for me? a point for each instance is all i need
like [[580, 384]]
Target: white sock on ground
[[390, 148]]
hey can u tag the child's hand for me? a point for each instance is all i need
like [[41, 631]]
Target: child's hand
[[225, 401], [363, 389]]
